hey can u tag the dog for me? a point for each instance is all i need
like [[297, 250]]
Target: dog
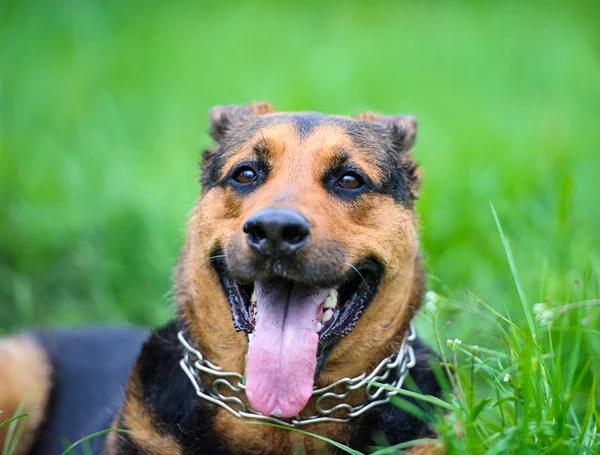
[[295, 291]]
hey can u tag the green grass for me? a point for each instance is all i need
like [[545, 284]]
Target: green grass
[[17, 425], [15, 429], [534, 392], [103, 111]]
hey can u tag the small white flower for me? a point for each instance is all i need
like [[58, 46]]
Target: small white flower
[[538, 308], [543, 314], [507, 377], [431, 301], [453, 344], [545, 317], [431, 295]]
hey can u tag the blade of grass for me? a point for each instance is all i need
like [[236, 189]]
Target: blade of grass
[[17, 436], [496, 313], [12, 419], [576, 349], [322, 438], [427, 398], [587, 419], [91, 436], [411, 408], [13, 425], [405, 445], [513, 271]]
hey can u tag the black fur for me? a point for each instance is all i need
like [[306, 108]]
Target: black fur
[[395, 424], [306, 122], [168, 396], [177, 411]]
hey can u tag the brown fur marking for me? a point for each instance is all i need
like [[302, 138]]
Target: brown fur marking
[[112, 439], [427, 449], [138, 420], [25, 380], [244, 438]]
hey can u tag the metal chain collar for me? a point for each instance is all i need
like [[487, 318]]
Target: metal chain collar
[[193, 362]]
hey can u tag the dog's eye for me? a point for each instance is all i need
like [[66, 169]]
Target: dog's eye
[[350, 181], [245, 175]]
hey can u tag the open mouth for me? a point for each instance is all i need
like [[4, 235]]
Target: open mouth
[[291, 328]]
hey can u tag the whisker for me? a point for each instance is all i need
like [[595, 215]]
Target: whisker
[[359, 274]]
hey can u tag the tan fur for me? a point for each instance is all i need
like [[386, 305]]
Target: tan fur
[[110, 447], [243, 437], [144, 432], [25, 380], [427, 449], [387, 230]]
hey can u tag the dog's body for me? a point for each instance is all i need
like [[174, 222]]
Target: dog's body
[[305, 234], [90, 368]]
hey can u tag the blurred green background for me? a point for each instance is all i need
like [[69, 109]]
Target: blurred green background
[[103, 112]]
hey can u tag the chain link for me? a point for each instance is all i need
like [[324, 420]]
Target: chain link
[[377, 388]]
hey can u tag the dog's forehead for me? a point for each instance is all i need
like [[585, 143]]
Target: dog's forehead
[[300, 126], [362, 133], [306, 122]]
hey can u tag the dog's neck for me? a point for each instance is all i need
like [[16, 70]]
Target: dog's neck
[[206, 316]]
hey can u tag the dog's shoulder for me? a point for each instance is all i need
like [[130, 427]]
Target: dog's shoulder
[[393, 424], [161, 409]]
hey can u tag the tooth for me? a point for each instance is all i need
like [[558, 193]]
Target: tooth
[[318, 327], [254, 298], [327, 315], [331, 300]]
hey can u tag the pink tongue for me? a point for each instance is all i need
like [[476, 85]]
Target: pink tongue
[[282, 356]]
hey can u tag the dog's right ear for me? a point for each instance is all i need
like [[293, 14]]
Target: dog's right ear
[[223, 117], [222, 120]]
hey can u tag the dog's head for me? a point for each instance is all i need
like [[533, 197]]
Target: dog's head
[[305, 231]]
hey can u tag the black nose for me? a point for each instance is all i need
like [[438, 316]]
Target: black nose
[[276, 232]]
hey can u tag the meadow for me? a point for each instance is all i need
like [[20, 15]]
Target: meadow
[[103, 114]]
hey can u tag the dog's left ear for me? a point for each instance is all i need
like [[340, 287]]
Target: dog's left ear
[[402, 129], [222, 118]]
